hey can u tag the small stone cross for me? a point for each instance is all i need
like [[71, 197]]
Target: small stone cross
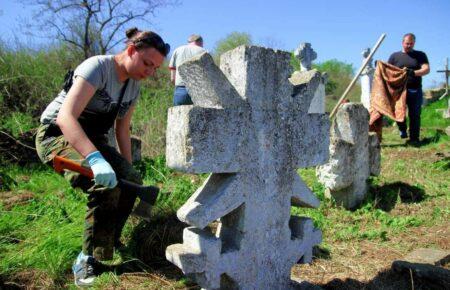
[[250, 127], [366, 80], [306, 55], [369, 67]]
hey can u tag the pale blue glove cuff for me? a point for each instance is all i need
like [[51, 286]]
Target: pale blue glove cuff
[[103, 172], [94, 158]]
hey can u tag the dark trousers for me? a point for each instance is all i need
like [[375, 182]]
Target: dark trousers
[[181, 96], [107, 209], [414, 99]]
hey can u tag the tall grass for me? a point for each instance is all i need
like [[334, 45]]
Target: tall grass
[[30, 79], [45, 231], [150, 116]]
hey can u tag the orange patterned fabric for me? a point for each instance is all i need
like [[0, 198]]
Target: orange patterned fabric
[[388, 95]]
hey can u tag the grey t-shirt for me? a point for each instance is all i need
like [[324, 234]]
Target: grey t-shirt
[[100, 72], [180, 55]]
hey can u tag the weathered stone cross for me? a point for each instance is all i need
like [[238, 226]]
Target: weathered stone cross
[[250, 127], [366, 80], [354, 156], [306, 55], [306, 75]]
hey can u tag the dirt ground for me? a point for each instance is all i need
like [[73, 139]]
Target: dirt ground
[[367, 265]]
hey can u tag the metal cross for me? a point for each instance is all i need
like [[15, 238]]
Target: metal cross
[[447, 74]]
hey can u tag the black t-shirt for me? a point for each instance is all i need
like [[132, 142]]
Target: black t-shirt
[[413, 60]]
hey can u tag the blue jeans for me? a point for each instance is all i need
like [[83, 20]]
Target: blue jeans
[[414, 99], [181, 96]]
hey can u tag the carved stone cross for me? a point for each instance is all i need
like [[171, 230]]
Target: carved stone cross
[[366, 79], [306, 55], [250, 127]]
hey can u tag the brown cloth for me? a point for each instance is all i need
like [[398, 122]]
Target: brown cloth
[[388, 96]]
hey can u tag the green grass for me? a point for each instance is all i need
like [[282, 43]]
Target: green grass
[[44, 234], [150, 116], [412, 191]]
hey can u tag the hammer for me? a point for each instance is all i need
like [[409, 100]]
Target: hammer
[[147, 194]]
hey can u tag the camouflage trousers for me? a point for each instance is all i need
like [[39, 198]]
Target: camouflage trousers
[[107, 209]]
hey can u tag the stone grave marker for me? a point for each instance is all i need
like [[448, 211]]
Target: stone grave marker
[[250, 127], [366, 80], [306, 55], [354, 156], [307, 75]]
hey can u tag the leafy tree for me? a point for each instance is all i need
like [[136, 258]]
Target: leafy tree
[[231, 41], [339, 73], [92, 26]]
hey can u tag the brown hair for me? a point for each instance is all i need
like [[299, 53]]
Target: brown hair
[[146, 39]]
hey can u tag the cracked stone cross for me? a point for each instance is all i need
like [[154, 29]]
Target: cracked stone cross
[[250, 127]]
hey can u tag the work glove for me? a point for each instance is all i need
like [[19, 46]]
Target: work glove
[[410, 73], [103, 173]]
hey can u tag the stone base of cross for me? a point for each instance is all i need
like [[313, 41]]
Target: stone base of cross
[[305, 78], [251, 128]]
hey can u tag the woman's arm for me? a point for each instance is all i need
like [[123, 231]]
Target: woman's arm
[[76, 100], [123, 134]]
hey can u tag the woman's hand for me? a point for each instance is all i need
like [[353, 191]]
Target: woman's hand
[[103, 172]]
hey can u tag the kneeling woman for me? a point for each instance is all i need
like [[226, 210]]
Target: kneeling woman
[[74, 125]]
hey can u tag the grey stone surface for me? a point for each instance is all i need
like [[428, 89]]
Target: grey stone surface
[[374, 154], [136, 145], [253, 146], [435, 277], [353, 156], [446, 113], [435, 257], [447, 131], [136, 149], [306, 54], [366, 80], [314, 82]]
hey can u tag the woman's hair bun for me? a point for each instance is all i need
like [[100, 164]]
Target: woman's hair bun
[[130, 33]]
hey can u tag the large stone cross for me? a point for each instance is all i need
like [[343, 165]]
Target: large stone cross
[[250, 127], [306, 55]]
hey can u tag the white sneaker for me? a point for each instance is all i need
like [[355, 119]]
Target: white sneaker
[[83, 270]]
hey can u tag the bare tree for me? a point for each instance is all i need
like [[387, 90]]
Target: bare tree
[[92, 26], [272, 42]]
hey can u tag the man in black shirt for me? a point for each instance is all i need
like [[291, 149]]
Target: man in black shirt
[[416, 64]]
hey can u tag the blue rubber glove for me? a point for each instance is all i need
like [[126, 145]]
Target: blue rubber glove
[[103, 172]]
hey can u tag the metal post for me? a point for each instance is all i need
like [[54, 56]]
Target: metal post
[[447, 73], [352, 83]]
